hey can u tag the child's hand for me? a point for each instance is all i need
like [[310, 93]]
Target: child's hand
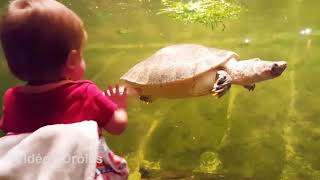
[[119, 120], [116, 96]]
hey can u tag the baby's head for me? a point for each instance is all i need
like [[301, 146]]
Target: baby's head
[[42, 41]]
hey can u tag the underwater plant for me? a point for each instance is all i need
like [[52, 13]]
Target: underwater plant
[[207, 12]]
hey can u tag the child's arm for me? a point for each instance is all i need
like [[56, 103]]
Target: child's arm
[[119, 121]]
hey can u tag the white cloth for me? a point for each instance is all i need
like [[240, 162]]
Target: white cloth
[[57, 152]]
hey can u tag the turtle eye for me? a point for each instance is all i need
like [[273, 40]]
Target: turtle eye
[[276, 70], [274, 66]]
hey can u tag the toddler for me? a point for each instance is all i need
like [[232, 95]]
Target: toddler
[[43, 43]]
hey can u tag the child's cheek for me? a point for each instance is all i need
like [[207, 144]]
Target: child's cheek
[[78, 73], [83, 68]]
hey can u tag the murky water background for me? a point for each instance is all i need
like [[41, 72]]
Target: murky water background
[[272, 133]]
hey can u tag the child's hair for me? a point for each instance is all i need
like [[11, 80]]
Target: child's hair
[[37, 36]]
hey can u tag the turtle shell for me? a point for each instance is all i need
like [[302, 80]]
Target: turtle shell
[[177, 63]]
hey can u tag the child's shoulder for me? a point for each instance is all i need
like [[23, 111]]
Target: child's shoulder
[[10, 91], [9, 95], [52, 87], [84, 88], [87, 84], [82, 82]]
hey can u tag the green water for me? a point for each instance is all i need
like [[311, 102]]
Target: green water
[[272, 133]]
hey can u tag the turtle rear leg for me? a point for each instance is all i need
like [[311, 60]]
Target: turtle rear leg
[[222, 84], [146, 98]]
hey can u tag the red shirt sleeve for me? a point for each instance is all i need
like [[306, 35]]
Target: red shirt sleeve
[[105, 106], [1, 122], [1, 118], [6, 96]]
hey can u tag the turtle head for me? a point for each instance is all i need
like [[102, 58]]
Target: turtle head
[[278, 67], [267, 69], [255, 70]]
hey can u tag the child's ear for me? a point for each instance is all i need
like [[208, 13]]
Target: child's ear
[[73, 60]]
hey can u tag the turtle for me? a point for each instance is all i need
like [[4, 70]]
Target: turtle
[[189, 70]]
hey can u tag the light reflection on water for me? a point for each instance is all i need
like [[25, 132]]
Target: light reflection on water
[[306, 31]]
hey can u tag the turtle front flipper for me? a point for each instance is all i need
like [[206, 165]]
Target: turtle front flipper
[[222, 84], [146, 99], [250, 87]]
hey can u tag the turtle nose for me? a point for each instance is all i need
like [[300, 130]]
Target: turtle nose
[[278, 68]]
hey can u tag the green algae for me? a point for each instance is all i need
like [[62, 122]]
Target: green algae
[[210, 13]]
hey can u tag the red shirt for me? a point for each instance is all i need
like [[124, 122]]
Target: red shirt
[[27, 108]]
